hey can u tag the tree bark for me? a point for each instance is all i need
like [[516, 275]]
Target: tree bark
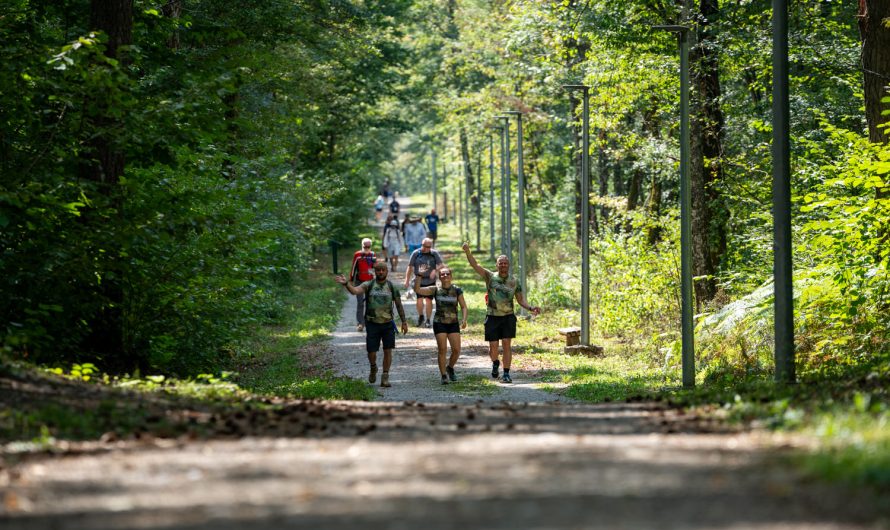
[[115, 19], [633, 193], [602, 170], [467, 173], [874, 15], [173, 10], [653, 209], [108, 337], [706, 164]]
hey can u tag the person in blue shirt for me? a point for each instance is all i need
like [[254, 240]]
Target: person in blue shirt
[[432, 225]]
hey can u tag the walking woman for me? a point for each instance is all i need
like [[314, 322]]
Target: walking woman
[[500, 322], [445, 323]]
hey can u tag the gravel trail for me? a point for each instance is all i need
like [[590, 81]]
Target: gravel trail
[[415, 372], [425, 456]]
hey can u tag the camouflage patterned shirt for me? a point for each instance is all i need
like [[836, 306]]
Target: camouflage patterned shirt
[[446, 304], [379, 299], [500, 293]]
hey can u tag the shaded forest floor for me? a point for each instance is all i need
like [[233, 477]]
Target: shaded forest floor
[[342, 464]]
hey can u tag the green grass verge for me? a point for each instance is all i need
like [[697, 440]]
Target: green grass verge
[[282, 360], [852, 425], [287, 360]]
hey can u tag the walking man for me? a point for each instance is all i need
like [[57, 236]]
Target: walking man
[[362, 271], [500, 321], [380, 326], [432, 225], [414, 234], [424, 262], [393, 243]]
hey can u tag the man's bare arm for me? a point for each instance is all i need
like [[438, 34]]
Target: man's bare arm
[[472, 260]]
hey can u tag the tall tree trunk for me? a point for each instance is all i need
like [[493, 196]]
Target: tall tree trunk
[[653, 210], [173, 10], [874, 15], [107, 336], [618, 183], [115, 19], [706, 164], [467, 173], [633, 193], [602, 171]]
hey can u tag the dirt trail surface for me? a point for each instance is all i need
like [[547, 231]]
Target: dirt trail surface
[[413, 465], [427, 457]]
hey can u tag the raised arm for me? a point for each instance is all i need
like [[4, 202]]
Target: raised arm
[[472, 260], [345, 283], [520, 299], [424, 291]]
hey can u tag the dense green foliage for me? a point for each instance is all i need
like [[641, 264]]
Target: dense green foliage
[[251, 135], [481, 58]]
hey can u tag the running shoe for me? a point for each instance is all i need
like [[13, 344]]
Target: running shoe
[[444, 379], [428, 324], [384, 380], [494, 368], [372, 377], [507, 378], [451, 374], [420, 321]]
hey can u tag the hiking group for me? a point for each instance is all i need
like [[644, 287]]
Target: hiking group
[[376, 296]]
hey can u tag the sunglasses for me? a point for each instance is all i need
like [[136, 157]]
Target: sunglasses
[[445, 274]]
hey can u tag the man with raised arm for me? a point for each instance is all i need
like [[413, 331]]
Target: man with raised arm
[[380, 295], [500, 321]]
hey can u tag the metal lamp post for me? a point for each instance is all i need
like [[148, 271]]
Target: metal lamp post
[[521, 199], [433, 170], [585, 211], [491, 194], [508, 190], [782, 265], [503, 231], [688, 337]]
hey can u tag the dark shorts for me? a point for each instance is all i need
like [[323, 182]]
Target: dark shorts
[[430, 296], [380, 332], [432, 234], [439, 327], [497, 328]]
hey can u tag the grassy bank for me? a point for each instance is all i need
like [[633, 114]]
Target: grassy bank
[[843, 410]]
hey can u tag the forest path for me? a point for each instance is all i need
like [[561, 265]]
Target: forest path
[[415, 372], [437, 465], [427, 457]]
